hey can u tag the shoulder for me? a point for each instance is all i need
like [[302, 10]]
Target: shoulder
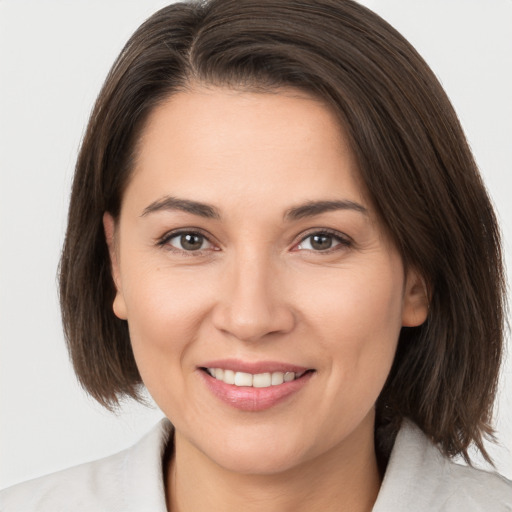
[[419, 477], [118, 482], [94, 485], [470, 489]]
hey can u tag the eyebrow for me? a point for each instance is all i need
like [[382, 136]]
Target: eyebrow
[[169, 203], [309, 209], [312, 208]]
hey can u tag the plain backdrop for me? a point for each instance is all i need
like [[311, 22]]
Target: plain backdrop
[[54, 56]]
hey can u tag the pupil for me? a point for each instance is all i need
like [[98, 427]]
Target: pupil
[[191, 241], [321, 242]]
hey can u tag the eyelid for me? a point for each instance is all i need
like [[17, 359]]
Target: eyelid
[[163, 241], [343, 239]]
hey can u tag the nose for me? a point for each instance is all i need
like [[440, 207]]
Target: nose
[[252, 304]]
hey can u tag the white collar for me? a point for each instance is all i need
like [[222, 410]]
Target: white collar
[[418, 477]]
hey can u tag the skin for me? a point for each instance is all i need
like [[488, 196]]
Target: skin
[[259, 290]]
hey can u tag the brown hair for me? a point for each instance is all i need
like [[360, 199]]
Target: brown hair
[[412, 156]]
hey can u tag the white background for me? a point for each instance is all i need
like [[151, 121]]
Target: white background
[[54, 56]]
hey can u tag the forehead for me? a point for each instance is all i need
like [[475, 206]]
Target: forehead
[[222, 145]]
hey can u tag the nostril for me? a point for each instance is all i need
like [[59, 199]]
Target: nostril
[[253, 324]]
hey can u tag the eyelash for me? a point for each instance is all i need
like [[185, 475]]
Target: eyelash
[[164, 242], [343, 241]]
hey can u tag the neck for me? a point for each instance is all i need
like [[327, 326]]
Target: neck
[[345, 478]]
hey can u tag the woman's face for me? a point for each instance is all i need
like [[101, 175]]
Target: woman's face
[[263, 298]]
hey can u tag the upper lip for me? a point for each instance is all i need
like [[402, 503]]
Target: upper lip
[[254, 367]]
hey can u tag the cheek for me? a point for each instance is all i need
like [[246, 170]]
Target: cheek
[[165, 311], [357, 319], [352, 302]]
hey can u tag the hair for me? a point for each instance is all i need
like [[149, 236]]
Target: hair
[[413, 158]]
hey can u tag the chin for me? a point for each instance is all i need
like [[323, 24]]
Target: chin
[[263, 450], [257, 461]]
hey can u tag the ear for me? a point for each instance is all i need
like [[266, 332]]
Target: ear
[[415, 301], [109, 226]]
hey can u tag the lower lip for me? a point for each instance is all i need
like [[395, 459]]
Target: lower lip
[[250, 398]]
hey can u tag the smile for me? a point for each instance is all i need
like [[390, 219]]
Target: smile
[[258, 380], [254, 386]]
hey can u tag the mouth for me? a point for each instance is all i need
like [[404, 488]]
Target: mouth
[[253, 387], [257, 380]]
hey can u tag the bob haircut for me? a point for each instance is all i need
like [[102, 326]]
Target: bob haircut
[[413, 158]]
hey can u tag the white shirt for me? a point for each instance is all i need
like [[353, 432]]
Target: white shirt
[[418, 478]]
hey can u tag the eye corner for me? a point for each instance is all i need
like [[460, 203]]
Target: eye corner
[[328, 241], [187, 247]]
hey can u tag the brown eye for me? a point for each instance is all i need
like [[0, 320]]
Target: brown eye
[[189, 242], [319, 242]]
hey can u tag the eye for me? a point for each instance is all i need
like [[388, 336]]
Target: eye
[[322, 241], [187, 241]]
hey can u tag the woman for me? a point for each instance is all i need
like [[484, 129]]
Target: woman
[[277, 227]]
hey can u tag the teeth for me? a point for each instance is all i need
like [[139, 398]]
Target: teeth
[[243, 379], [289, 376], [277, 378], [259, 380], [229, 377], [262, 380]]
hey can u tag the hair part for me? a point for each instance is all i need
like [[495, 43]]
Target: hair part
[[413, 159]]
